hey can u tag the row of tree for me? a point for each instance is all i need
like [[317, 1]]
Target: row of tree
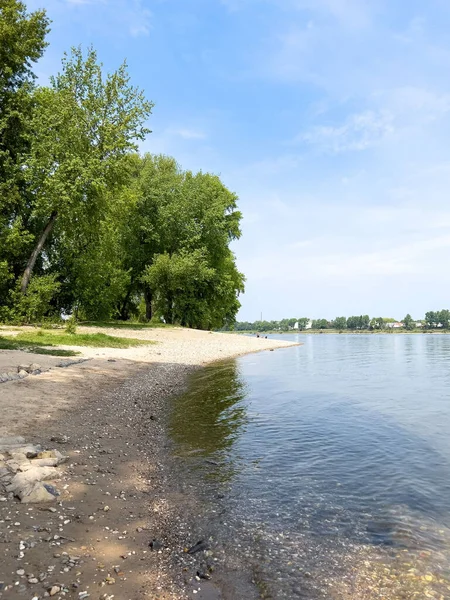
[[433, 320], [87, 225]]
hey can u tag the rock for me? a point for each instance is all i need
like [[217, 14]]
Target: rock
[[38, 492], [20, 572], [106, 509], [30, 477], [53, 454], [54, 590], [11, 442], [198, 547], [22, 374], [5, 474], [60, 439], [156, 545], [41, 462], [33, 580], [203, 575], [18, 457], [29, 450]]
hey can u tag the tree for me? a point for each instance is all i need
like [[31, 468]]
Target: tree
[[340, 323], [408, 322], [320, 324], [22, 43], [83, 127], [302, 323], [431, 319], [178, 215], [443, 317], [377, 323]]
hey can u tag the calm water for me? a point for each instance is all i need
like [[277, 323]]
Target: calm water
[[326, 467]]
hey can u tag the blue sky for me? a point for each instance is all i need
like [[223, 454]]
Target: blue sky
[[329, 118]]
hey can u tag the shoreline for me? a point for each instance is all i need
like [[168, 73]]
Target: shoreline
[[114, 413]]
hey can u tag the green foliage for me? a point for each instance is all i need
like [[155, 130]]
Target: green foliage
[[340, 323], [361, 322], [71, 325], [303, 323], [320, 324], [36, 304], [408, 322], [437, 319], [86, 224], [61, 338], [22, 42]]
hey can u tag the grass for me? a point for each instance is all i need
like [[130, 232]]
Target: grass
[[61, 338], [11, 343]]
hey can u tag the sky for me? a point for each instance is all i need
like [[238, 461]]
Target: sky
[[329, 118]]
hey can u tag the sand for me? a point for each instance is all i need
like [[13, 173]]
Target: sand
[[112, 407]]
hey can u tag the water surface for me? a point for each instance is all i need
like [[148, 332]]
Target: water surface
[[326, 466]]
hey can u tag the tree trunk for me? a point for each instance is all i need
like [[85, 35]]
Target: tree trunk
[[37, 250], [148, 304], [123, 311]]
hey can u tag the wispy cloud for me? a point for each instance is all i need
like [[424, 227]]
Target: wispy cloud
[[358, 132], [188, 134]]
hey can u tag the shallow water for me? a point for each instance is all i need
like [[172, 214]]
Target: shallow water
[[325, 468]]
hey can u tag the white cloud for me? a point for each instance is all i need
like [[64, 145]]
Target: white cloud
[[189, 134], [359, 132]]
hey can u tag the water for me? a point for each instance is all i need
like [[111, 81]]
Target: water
[[325, 468]]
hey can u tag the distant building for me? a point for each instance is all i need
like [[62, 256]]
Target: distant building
[[309, 324], [394, 325], [418, 324]]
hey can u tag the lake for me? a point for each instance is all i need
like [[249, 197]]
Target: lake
[[325, 468]]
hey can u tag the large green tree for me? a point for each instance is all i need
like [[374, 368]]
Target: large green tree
[[83, 128], [177, 241], [22, 43]]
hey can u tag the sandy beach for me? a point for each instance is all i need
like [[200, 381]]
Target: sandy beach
[[121, 526]]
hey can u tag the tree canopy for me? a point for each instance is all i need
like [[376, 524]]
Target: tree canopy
[[87, 225]]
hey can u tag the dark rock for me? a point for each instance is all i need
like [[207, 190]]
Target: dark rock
[[156, 545], [198, 547], [60, 439], [203, 575]]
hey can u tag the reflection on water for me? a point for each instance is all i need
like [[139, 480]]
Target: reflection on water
[[209, 417], [334, 462]]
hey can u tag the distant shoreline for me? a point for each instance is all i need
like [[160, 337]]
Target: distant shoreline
[[345, 332]]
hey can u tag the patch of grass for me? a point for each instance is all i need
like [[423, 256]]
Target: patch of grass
[[95, 340], [11, 343]]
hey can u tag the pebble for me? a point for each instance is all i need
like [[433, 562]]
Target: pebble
[[54, 590], [33, 580]]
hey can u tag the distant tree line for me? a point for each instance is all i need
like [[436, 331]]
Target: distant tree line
[[433, 320]]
